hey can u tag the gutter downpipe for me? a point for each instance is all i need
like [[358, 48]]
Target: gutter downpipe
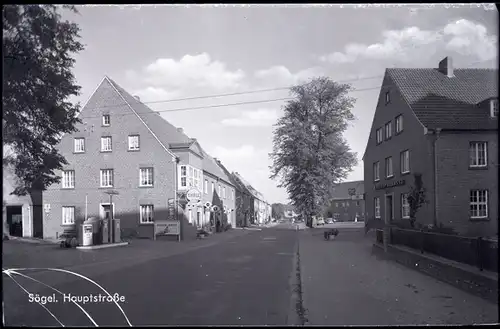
[[437, 133], [175, 161]]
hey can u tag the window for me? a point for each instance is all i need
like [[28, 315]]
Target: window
[[190, 177], [68, 179], [213, 187], [79, 145], [478, 203], [387, 97], [224, 192], [106, 121], [336, 204], [388, 130], [399, 124], [146, 176], [478, 154], [405, 206], [206, 186], [405, 162], [357, 203], [380, 136], [133, 143], [388, 167], [232, 194], [106, 177], [68, 215], [376, 171], [377, 207], [219, 190], [494, 108], [146, 214], [106, 144], [197, 179], [347, 203], [343, 204], [183, 176]]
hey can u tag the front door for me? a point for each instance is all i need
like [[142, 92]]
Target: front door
[[388, 209], [15, 220]]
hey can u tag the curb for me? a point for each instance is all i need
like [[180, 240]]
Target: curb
[[103, 246]]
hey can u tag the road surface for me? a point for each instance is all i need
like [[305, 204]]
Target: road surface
[[241, 278]]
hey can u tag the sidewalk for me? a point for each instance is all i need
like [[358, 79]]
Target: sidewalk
[[343, 283]]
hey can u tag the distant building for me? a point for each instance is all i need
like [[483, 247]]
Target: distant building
[[441, 123], [348, 203]]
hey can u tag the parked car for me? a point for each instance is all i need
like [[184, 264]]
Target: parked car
[[320, 221], [329, 220]]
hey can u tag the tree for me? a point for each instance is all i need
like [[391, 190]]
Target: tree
[[37, 84], [310, 156], [416, 197], [278, 210]]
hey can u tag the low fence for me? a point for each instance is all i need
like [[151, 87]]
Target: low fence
[[479, 252]]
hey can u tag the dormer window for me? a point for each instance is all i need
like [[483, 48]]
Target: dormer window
[[494, 108]]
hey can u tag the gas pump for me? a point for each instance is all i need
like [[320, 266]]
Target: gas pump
[[87, 234]]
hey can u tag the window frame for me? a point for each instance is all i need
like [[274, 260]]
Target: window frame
[[386, 167], [376, 173], [381, 130], [376, 207], [387, 97], [399, 126], [75, 140], [63, 213], [110, 144], [402, 161], [64, 179], [111, 177], [138, 143], [405, 206], [494, 108], [476, 155], [205, 186], [478, 204], [103, 121], [146, 169], [141, 214], [387, 125]]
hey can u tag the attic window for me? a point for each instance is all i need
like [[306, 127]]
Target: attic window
[[106, 120], [494, 108], [387, 98]]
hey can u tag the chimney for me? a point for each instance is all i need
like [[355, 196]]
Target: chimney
[[446, 67], [180, 130], [137, 97]]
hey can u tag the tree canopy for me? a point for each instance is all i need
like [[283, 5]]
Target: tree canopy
[[37, 84], [310, 155]]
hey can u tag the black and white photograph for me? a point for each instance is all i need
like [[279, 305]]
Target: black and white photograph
[[250, 165]]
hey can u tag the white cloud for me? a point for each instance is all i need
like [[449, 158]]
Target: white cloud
[[280, 76], [191, 73], [256, 118], [412, 43], [156, 93], [468, 38]]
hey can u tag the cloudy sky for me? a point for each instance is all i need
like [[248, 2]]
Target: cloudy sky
[[166, 53]]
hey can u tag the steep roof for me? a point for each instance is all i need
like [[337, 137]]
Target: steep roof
[[163, 129], [256, 194], [445, 102], [341, 191], [211, 166]]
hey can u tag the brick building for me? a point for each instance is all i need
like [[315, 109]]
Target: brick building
[[441, 123], [348, 202], [124, 146]]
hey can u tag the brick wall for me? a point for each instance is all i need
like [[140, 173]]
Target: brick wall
[[411, 138], [455, 180], [125, 164]]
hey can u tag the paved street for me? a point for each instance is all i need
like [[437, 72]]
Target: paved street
[[240, 277]]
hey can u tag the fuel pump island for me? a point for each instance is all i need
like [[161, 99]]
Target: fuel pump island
[[94, 233]]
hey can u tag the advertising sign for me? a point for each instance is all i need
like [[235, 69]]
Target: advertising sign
[[171, 209], [193, 195], [169, 227]]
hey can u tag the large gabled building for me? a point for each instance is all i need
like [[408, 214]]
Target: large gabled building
[[440, 123], [348, 202], [124, 147]]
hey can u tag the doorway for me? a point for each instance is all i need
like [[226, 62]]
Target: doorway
[[15, 220], [198, 219], [389, 208]]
